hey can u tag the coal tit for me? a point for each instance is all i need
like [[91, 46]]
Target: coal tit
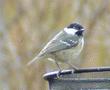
[[66, 45]]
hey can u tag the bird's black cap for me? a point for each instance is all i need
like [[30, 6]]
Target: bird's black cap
[[75, 26]]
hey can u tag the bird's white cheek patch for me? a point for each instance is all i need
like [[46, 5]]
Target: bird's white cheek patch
[[70, 31]]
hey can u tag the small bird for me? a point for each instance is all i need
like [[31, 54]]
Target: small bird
[[66, 45]]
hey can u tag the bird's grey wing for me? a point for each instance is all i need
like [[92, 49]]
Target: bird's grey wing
[[59, 42]]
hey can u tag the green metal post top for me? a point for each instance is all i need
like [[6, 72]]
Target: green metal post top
[[53, 75]]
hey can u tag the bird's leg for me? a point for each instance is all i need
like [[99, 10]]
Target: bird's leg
[[58, 75], [55, 59], [73, 67]]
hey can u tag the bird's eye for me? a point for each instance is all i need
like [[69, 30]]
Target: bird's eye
[[80, 32]]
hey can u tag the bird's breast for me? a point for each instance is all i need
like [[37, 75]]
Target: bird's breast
[[69, 54]]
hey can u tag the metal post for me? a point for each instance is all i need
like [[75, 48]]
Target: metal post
[[82, 79]]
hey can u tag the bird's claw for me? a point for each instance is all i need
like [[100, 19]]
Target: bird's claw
[[73, 70], [59, 74]]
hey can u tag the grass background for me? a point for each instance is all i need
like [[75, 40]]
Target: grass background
[[26, 26]]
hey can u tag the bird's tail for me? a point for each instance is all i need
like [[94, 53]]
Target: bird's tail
[[33, 60]]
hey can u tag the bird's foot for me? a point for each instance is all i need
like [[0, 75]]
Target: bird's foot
[[59, 74], [74, 68]]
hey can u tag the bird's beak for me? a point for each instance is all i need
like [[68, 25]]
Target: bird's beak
[[82, 30]]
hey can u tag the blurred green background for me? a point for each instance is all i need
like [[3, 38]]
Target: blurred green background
[[26, 26]]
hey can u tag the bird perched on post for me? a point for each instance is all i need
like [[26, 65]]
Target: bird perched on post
[[66, 45]]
